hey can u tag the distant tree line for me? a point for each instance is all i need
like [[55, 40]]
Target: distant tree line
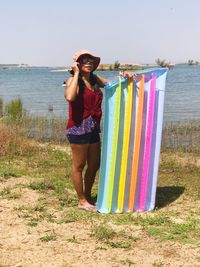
[[162, 63], [192, 62]]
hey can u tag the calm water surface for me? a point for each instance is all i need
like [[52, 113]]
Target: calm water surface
[[40, 88]]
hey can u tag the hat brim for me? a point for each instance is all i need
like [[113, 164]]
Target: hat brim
[[85, 52]]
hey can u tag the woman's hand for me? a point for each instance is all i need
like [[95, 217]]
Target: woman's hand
[[129, 74], [75, 67]]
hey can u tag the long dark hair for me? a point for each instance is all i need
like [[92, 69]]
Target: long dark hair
[[92, 80]]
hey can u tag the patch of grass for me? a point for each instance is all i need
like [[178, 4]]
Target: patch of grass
[[175, 172], [158, 264], [126, 218], [52, 167], [7, 174], [58, 188], [11, 169], [6, 191], [119, 244], [156, 219], [68, 200], [33, 222], [102, 232], [37, 207], [114, 239], [128, 262], [21, 208], [50, 217], [9, 194], [73, 240], [61, 184], [161, 226], [24, 216], [56, 177], [36, 218], [100, 248], [35, 214], [47, 238], [42, 186], [188, 232], [73, 215]]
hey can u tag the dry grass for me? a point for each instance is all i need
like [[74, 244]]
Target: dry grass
[[176, 135], [181, 135], [42, 129], [11, 143]]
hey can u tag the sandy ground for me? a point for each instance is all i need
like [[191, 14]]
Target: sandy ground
[[20, 243]]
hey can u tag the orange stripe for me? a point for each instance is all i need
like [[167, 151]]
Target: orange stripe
[[136, 151]]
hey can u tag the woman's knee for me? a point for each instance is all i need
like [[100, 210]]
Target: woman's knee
[[78, 167]]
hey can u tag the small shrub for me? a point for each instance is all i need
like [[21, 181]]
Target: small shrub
[[15, 109]]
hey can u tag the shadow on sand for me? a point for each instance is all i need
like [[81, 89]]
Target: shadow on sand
[[168, 194]]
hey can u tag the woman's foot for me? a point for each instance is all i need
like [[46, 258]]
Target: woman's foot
[[84, 205], [92, 200]]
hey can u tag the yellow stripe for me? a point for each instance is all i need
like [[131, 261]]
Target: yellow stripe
[[126, 134]]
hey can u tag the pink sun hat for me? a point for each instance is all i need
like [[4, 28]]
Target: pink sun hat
[[80, 53]]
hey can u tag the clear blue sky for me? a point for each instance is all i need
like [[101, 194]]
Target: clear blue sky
[[48, 32]]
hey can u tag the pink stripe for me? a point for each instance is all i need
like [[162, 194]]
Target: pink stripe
[[145, 169]]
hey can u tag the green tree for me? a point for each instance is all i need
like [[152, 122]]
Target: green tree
[[190, 62], [161, 63], [116, 64]]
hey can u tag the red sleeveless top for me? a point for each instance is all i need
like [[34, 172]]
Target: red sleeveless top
[[87, 103]]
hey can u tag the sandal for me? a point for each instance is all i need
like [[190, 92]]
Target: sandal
[[88, 208]]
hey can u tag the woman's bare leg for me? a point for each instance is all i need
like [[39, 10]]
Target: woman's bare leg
[[79, 158], [93, 164]]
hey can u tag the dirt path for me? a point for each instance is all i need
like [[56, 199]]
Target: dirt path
[[71, 244]]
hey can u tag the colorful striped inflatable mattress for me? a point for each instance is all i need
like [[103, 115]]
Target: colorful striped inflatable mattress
[[131, 140]]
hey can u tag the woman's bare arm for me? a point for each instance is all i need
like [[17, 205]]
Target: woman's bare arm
[[102, 81], [72, 84]]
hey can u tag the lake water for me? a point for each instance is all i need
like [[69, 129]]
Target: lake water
[[41, 88]]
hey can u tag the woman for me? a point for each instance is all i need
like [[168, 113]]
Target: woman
[[84, 96]]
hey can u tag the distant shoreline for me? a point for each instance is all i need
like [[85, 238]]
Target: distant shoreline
[[102, 67], [110, 67]]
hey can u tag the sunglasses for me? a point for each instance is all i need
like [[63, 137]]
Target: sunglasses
[[86, 60]]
